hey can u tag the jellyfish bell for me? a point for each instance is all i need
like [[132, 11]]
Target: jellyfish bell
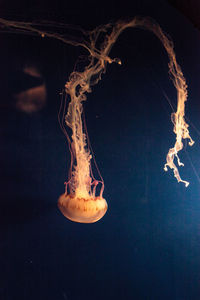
[[82, 210]]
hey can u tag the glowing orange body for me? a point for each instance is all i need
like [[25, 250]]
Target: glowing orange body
[[82, 210]]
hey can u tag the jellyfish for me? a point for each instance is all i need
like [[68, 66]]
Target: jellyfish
[[81, 202]]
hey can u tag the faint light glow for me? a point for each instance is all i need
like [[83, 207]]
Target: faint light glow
[[32, 70], [33, 99]]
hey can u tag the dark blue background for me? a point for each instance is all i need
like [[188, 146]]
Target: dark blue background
[[148, 244]]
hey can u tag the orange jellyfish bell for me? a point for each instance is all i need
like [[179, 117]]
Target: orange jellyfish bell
[[82, 210]]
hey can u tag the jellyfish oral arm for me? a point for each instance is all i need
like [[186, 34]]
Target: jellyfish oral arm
[[180, 126], [81, 170], [170, 163]]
